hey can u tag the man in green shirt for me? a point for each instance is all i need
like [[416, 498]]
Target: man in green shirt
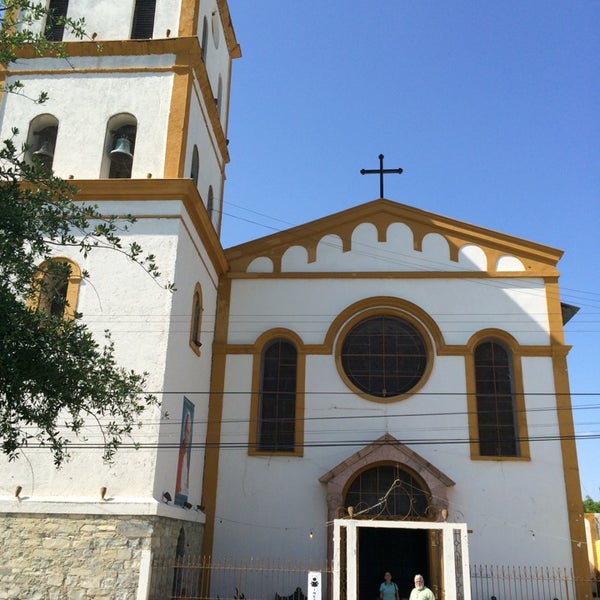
[[420, 592]]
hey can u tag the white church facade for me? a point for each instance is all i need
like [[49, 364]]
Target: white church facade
[[381, 364]]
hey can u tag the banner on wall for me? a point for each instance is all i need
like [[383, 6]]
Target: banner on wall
[[314, 585], [186, 435]]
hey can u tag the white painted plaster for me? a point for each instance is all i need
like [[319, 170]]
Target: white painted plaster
[[472, 258], [435, 247], [509, 263], [262, 264], [460, 308]]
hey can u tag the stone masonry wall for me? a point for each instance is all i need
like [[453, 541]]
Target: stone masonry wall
[[80, 557]]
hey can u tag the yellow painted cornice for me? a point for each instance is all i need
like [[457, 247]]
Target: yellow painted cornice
[[165, 190], [232, 44], [175, 45], [539, 260], [187, 58], [188, 17]]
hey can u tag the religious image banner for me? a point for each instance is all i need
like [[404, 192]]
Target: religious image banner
[[182, 483]]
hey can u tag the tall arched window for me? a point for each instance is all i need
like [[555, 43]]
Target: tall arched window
[[41, 139], [195, 164], [219, 98], [204, 38], [277, 402], [195, 326], [143, 19], [120, 146], [55, 21], [57, 287], [496, 415], [210, 199]]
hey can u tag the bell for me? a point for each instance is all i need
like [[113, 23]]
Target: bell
[[122, 151], [45, 151]]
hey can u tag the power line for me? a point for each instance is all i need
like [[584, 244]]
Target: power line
[[347, 443]]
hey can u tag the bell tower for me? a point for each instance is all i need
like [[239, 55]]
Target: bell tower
[[144, 95], [136, 119]]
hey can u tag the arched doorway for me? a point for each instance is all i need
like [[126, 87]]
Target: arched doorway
[[388, 483], [389, 491]]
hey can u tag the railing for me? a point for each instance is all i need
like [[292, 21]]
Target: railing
[[211, 579], [492, 582], [251, 579]]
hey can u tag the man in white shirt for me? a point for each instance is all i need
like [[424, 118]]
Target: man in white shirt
[[420, 592]]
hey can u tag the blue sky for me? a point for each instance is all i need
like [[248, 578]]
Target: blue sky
[[491, 108]]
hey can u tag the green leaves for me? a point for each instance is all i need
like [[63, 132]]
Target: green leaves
[[53, 373], [591, 506], [55, 376]]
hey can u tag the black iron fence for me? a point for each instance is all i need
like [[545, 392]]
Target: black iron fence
[[210, 579]]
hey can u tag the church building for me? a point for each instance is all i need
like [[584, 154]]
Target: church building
[[384, 384]]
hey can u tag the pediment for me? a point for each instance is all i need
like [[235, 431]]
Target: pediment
[[384, 236], [386, 449]]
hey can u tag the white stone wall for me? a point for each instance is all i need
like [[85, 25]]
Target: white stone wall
[[187, 374], [150, 327]]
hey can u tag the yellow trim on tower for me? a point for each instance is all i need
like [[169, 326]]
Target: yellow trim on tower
[[232, 44], [148, 190], [179, 117], [188, 18]]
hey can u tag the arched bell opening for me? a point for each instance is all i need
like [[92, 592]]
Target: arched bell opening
[[117, 162]]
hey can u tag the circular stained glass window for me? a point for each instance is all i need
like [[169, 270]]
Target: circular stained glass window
[[384, 356]]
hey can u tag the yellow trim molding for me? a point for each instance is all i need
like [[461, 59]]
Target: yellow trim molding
[[141, 190], [215, 414], [381, 213], [566, 427]]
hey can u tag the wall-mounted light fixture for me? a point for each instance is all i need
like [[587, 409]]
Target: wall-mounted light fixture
[[18, 490], [103, 492], [167, 497]]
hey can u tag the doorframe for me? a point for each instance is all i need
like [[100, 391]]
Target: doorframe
[[451, 532]]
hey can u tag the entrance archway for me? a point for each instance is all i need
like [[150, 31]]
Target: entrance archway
[[388, 483]]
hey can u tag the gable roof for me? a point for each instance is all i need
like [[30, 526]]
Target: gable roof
[[378, 226]]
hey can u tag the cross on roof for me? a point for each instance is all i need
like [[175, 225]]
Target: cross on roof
[[381, 172]]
